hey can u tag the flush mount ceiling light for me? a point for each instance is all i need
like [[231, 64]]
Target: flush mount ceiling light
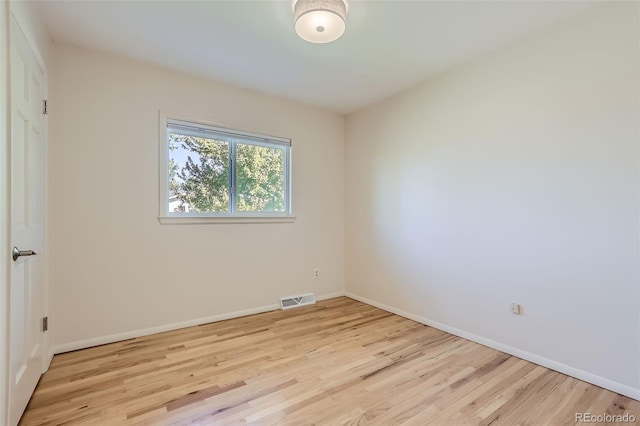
[[320, 21]]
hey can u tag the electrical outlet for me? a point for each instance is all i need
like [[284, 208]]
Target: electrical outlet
[[516, 309], [316, 273]]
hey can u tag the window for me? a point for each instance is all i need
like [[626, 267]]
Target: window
[[213, 174]]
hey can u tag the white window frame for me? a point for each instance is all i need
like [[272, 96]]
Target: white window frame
[[171, 218]]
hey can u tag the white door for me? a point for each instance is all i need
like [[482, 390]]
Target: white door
[[26, 233]]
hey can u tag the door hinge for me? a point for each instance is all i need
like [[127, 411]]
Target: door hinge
[[45, 107], [45, 324]]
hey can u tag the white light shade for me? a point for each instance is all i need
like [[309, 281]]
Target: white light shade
[[320, 21]]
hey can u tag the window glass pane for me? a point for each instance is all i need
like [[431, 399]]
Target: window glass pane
[[260, 178], [198, 174]]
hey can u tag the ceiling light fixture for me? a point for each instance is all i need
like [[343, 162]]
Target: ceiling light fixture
[[320, 21]]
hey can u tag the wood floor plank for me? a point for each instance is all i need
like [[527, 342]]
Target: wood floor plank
[[336, 362]]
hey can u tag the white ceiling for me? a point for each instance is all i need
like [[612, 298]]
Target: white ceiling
[[388, 46]]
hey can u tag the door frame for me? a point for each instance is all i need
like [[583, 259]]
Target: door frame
[[4, 210], [9, 12]]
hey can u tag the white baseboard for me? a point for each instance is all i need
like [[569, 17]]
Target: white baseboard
[[528, 356], [48, 359], [103, 340], [331, 295]]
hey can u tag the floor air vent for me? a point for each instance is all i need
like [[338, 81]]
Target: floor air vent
[[295, 301]]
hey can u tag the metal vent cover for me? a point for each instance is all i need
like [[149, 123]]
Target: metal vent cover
[[296, 301]]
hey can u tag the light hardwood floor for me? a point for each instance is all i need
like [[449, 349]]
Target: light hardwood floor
[[337, 362]]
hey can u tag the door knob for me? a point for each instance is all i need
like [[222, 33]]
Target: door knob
[[17, 253]]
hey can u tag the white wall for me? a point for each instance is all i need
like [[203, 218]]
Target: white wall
[[115, 269], [514, 178]]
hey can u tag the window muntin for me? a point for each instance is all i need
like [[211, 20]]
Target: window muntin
[[216, 172]]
